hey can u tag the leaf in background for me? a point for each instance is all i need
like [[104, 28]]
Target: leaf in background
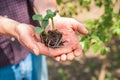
[[95, 37], [37, 17], [116, 28], [116, 31], [86, 45], [104, 50], [70, 5], [80, 2], [58, 2], [99, 3], [82, 44], [62, 74], [38, 30], [87, 1], [96, 47]]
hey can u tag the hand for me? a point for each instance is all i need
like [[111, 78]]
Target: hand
[[27, 37], [69, 27]]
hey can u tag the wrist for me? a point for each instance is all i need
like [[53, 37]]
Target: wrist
[[7, 26]]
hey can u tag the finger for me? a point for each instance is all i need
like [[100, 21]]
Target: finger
[[27, 37], [37, 36], [57, 58], [70, 56], [63, 57], [59, 51], [43, 49], [77, 26], [36, 49], [77, 51], [31, 44]]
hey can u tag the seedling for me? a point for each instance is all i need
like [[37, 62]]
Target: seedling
[[44, 21], [53, 37]]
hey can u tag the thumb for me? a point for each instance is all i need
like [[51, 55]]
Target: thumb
[[77, 26], [27, 38], [30, 43]]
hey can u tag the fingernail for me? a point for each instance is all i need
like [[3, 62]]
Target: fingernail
[[63, 57], [57, 59]]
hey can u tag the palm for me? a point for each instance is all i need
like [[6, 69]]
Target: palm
[[68, 35], [68, 27]]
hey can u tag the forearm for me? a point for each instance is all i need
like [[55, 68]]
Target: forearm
[[42, 5], [7, 26]]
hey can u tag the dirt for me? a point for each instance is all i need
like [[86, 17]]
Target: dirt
[[53, 39]]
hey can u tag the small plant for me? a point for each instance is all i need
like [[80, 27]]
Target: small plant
[[51, 38]]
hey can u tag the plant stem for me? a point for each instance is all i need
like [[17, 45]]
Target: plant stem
[[52, 23], [41, 25], [43, 28], [45, 32]]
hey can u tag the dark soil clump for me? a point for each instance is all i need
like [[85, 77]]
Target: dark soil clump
[[53, 39]]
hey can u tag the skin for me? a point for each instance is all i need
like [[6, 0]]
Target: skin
[[25, 34], [67, 25]]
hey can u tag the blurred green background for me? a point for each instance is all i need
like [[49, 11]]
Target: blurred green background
[[100, 59]]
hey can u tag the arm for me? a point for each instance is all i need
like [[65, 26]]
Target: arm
[[17, 30], [7, 26], [25, 34]]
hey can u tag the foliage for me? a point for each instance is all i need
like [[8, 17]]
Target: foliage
[[44, 21], [102, 30]]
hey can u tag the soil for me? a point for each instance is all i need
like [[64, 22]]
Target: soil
[[53, 39]]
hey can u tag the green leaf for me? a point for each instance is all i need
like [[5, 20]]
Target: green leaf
[[82, 44], [70, 5], [59, 2], [104, 50], [96, 47], [37, 17], [80, 2], [46, 17], [95, 37], [86, 45], [38, 30], [99, 3], [50, 13], [87, 1], [55, 12], [116, 31], [45, 23]]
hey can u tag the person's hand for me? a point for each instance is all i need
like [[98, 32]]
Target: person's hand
[[27, 37], [25, 34], [69, 27]]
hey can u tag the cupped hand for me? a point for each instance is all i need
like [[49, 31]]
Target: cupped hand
[[69, 27], [27, 37]]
